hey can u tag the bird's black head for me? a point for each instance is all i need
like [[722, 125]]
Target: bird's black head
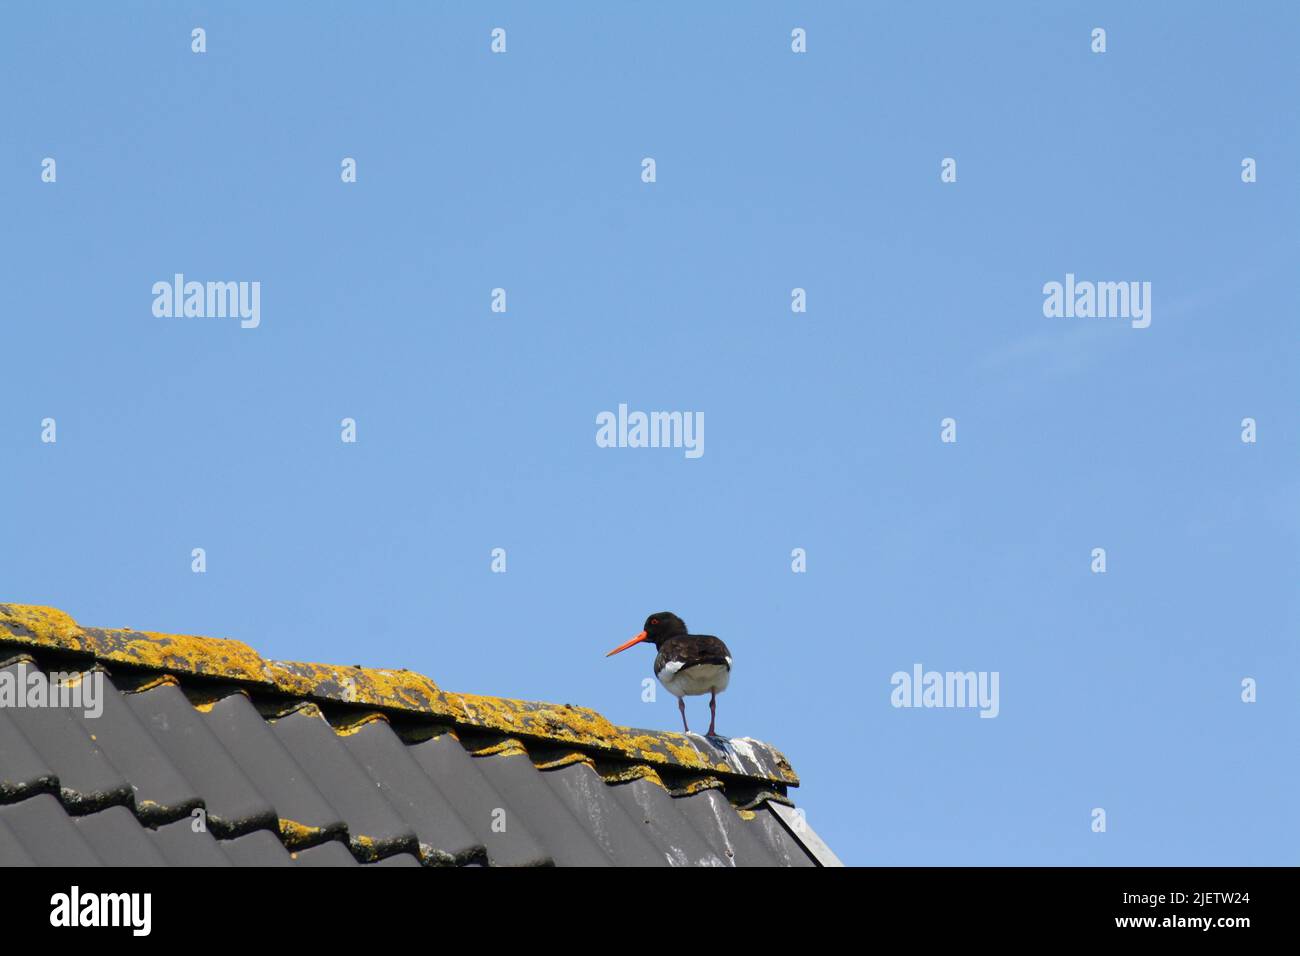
[[658, 628], [662, 625]]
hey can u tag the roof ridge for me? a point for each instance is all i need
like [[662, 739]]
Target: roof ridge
[[398, 691]]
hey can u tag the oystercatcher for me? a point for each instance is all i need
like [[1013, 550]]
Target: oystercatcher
[[687, 664]]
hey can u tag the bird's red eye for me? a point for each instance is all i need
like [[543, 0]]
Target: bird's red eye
[[654, 620]]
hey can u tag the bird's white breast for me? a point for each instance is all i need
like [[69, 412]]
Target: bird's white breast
[[696, 679]]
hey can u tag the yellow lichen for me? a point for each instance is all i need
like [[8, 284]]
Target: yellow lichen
[[50, 628], [563, 759], [556, 721], [37, 626], [397, 691], [419, 733], [611, 773], [152, 682], [205, 698], [274, 710], [348, 724], [186, 653], [295, 835], [696, 785], [506, 747]]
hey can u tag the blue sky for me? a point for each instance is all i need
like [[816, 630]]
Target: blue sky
[[774, 171]]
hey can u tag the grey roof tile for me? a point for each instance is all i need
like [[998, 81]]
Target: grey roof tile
[[233, 805], [651, 807], [399, 859], [593, 804], [87, 779], [778, 840], [12, 852], [23, 772], [305, 816], [333, 853], [412, 794], [374, 829], [507, 839], [542, 812], [47, 833], [190, 721], [118, 839], [162, 793], [718, 821], [181, 845], [802, 832], [259, 848]]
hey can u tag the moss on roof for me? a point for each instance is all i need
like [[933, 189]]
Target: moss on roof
[[400, 692]]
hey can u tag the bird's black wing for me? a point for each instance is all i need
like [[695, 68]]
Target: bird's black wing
[[702, 649]]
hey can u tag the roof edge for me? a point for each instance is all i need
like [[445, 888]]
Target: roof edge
[[397, 691]]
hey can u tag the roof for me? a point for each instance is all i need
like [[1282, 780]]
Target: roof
[[291, 763]]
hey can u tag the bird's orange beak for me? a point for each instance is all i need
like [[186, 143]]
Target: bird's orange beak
[[622, 647]]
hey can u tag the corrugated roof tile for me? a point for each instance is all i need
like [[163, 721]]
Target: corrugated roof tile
[[23, 772], [305, 816], [399, 859], [665, 825], [414, 795], [161, 792], [776, 838], [47, 833], [181, 844], [468, 790], [399, 690], [312, 764], [333, 853], [118, 839], [12, 852], [622, 835], [259, 848], [374, 829], [718, 820], [534, 804], [88, 780], [232, 804]]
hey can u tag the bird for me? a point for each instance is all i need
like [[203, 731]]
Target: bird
[[687, 664]]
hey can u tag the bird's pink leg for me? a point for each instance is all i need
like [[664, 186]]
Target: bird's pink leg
[[681, 705], [713, 712]]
